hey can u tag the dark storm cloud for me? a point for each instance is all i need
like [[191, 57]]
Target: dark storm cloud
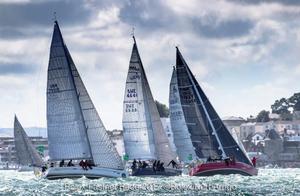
[[40, 13], [14, 69], [149, 16], [10, 33], [283, 2], [223, 29]]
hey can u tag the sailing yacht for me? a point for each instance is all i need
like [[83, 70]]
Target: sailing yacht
[[75, 130], [27, 156], [144, 136], [199, 133]]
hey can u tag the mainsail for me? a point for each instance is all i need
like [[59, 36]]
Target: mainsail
[[144, 136], [182, 137], [26, 154], [75, 130], [209, 135]]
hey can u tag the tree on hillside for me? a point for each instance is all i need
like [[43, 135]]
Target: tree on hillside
[[294, 102], [263, 116], [281, 106], [163, 110]]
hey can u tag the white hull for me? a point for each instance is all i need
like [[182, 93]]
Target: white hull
[[77, 172]]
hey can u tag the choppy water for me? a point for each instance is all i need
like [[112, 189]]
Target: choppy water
[[268, 182]]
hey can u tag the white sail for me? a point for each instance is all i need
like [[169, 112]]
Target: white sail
[[103, 151], [182, 137], [138, 134], [75, 130], [26, 154], [66, 130], [144, 136]]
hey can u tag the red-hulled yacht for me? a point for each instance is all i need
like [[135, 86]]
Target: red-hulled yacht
[[215, 168], [199, 131]]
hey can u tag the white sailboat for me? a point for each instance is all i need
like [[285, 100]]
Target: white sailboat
[[75, 130], [144, 136], [27, 156]]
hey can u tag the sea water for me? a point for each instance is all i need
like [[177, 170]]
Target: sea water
[[268, 182]]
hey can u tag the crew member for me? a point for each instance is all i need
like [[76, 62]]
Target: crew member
[[254, 161]]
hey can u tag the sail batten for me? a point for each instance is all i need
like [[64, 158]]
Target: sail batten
[[209, 135], [144, 136], [78, 133]]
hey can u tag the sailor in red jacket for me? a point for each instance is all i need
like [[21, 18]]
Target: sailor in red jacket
[[254, 161]]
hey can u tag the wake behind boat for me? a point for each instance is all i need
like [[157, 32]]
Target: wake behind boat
[[75, 130], [199, 133], [144, 137]]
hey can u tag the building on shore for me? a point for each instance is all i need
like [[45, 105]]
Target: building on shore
[[274, 142]]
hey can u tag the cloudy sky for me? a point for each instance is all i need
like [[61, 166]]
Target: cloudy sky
[[244, 53]]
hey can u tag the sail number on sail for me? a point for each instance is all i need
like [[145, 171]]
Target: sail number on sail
[[130, 108], [131, 93], [53, 88]]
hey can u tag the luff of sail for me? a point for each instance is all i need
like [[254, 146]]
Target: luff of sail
[[144, 136], [208, 133], [182, 137], [75, 130], [26, 154]]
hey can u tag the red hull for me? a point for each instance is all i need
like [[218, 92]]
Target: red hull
[[214, 168]]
